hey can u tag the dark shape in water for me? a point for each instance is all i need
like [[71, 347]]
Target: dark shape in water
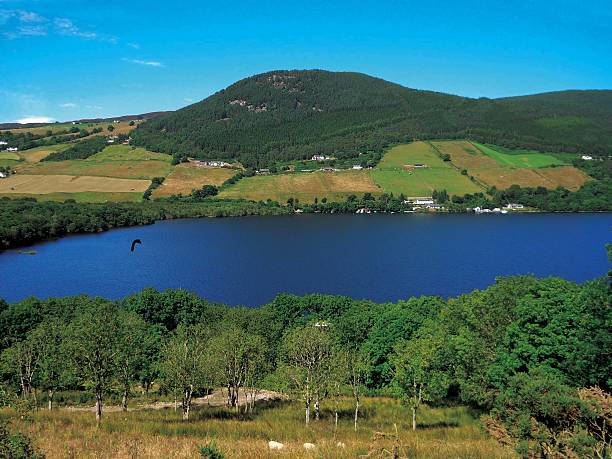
[[134, 242]]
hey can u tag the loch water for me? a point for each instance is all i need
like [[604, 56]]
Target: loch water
[[249, 260]]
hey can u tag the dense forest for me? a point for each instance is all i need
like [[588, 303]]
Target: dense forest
[[288, 115], [532, 355]]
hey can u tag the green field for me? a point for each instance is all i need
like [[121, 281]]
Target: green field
[[519, 158], [128, 153], [392, 175], [9, 155]]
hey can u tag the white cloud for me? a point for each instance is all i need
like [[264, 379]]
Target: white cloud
[[143, 62], [68, 105], [65, 26], [35, 119], [187, 99], [21, 23], [93, 107], [134, 45]]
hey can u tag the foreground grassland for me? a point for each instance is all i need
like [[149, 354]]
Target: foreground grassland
[[502, 170], [394, 174], [186, 177], [444, 432], [304, 186], [44, 184]]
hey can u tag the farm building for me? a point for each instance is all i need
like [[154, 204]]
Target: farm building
[[357, 167], [2, 142], [3, 175], [211, 163], [514, 206], [12, 149], [423, 201], [587, 157], [322, 158]]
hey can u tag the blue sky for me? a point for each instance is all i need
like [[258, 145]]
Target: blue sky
[[64, 60]]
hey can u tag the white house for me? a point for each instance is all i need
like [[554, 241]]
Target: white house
[[423, 201], [3, 175], [321, 158], [587, 157], [12, 149], [357, 167], [3, 142], [514, 206]]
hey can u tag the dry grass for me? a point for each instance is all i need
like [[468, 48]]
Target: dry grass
[[41, 184], [444, 433], [83, 196], [118, 169], [186, 177], [34, 155], [123, 127], [335, 186], [489, 171]]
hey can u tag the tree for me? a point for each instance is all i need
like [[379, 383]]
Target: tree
[[92, 346], [308, 353], [184, 364], [239, 357], [110, 128], [417, 374], [544, 416], [23, 359], [134, 343], [54, 373], [357, 370]]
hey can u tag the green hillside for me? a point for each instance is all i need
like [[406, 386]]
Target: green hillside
[[287, 115]]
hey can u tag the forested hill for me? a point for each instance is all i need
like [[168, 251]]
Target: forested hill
[[285, 115]]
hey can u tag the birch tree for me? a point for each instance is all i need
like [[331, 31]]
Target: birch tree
[[308, 353], [238, 357], [92, 345], [134, 343], [54, 372], [357, 370], [185, 364], [418, 374]]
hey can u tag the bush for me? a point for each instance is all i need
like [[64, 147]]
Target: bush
[[15, 445], [210, 451]]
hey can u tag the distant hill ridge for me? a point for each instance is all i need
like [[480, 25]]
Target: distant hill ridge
[[287, 115]]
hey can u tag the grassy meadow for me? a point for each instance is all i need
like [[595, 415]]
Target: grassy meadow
[[443, 432], [304, 186], [394, 175], [500, 172], [519, 158]]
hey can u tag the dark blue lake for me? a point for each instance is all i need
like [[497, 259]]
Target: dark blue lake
[[249, 260]]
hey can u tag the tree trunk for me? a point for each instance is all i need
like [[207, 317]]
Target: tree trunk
[[317, 406], [307, 403], [50, 394], [356, 412], [98, 407], [124, 399], [186, 405], [414, 412]]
